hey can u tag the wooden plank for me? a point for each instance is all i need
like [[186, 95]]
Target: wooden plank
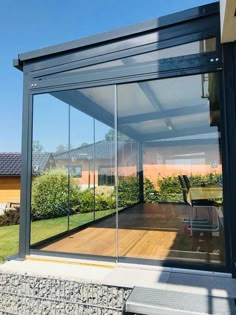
[[150, 231]]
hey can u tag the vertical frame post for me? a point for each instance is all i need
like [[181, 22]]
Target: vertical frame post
[[229, 151], [140, 172], [68, 170], [115, 104], [26, 171]]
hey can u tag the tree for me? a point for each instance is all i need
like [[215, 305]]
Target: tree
[[110, 136], [37, 146], [63, 148], [84, 144]]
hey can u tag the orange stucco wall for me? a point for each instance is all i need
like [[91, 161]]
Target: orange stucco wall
[[156, 172], [158, 163], [9, 189]]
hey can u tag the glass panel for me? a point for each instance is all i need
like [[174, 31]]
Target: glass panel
[[197, 47], [179, 157], [50, 184], [169, 170], [203, 46], [128, 179], [76, 131], [105, 200], [80, 163]]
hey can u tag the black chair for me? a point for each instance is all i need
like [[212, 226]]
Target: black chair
[[187, 181], [199, 224], [195, 203], [184, 189], [188, 185]]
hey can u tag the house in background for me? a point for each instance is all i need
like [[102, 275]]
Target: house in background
[[94, 164], [10, 173]]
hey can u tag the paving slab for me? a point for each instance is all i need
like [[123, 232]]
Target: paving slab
[[137, 277], [55, 269], [128, 275]]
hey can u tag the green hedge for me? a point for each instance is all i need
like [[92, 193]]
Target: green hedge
[[151, 195], [128, 191], [210, 179], [86, 202], [170, 188], [50, 195]]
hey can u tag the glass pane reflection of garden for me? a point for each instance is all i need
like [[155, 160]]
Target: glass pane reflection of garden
[[120, 193]]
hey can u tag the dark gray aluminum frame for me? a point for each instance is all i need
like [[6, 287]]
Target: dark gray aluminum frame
[[48, 70]]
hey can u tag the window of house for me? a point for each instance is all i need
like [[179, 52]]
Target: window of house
[[76, 171]]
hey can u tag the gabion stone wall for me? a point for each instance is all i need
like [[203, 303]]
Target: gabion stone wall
[[26, 294]]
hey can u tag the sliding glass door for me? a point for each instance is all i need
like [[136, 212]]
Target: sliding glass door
[[130, 171], [73, 210], [174, 128]]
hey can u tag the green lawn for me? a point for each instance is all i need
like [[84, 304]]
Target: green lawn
[[40, 230]]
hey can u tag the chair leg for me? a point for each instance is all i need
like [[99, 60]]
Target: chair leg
[[196, 220], [208, 227], [191, 221]]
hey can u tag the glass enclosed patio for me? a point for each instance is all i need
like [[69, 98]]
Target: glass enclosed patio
[[134, 122]]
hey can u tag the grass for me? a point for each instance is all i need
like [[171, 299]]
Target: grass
[[40, 230], [9, 240]]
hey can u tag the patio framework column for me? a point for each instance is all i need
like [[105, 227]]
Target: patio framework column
[[140, 173], [229, 153], [26, 165]]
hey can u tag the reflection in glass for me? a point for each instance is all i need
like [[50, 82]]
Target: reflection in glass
[[78, 196], [105, 170], [176, 124], [197, 47], [168, 158], [79, 161], [50, 181]]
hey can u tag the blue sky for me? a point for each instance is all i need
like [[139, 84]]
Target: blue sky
[[29, 24]]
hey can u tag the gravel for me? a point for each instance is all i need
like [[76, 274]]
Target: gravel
[[26, 294]]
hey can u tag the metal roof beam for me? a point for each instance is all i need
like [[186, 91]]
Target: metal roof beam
[[168, 113], [178, 133]]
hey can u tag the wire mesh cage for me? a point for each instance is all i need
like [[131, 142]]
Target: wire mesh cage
[[26, 294]]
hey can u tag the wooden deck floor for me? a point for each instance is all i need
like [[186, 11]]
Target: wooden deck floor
[[150, 231]]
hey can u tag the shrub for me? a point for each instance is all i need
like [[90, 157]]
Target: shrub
[[101, 203], [128, 191], [86, 201], [209, 179], [50, 195], [170, 188], [10, 217], [111, 202], [150, 193]]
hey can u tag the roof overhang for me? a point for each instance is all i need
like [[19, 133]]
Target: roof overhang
[[115, 35], [228, 20]]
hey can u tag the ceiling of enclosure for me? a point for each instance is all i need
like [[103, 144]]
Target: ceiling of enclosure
[[154, 110]]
